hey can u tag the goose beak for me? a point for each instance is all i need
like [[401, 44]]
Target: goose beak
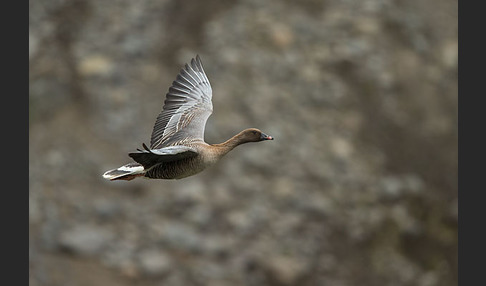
[[265, 137]]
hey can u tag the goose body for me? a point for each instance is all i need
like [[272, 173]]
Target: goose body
[[177, 147]]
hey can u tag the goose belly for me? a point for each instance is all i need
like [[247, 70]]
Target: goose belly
[[177, 169]]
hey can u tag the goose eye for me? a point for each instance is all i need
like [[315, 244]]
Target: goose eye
[[254, 132]]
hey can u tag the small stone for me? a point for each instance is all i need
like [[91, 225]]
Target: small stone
[[85, 240], [282, 36], [341, 147], [130, 271], [154, 262], [106, 208], [181, 236], [392, 187], [95, 65], [450, 54], [285, 269]]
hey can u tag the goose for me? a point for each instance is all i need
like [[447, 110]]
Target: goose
[[177, 147]]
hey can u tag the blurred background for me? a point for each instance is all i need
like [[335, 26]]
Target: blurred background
[[359, 186]]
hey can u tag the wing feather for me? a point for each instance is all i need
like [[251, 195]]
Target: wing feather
[[187, 107], [151, 157]]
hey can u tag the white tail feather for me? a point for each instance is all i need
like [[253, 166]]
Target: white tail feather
[[126, 172]]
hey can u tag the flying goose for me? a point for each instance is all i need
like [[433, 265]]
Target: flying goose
[[177, 147]]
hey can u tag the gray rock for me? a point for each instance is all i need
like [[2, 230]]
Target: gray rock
[[181, 236], [153, 262], [85, 239], [286, 270]]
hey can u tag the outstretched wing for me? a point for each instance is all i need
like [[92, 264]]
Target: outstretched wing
[[186, 108], [148, 158]]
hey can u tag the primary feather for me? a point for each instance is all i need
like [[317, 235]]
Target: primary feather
[[186, 108]]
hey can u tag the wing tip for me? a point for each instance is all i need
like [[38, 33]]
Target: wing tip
[[196, 63]]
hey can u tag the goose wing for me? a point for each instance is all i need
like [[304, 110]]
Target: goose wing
[[186, 108], [151, 157]]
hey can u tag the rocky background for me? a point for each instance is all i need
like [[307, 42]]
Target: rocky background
[[358, 188]]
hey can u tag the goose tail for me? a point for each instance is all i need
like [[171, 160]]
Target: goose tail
[[126, 172]]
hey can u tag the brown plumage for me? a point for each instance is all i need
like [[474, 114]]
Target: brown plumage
[[177, 148]]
